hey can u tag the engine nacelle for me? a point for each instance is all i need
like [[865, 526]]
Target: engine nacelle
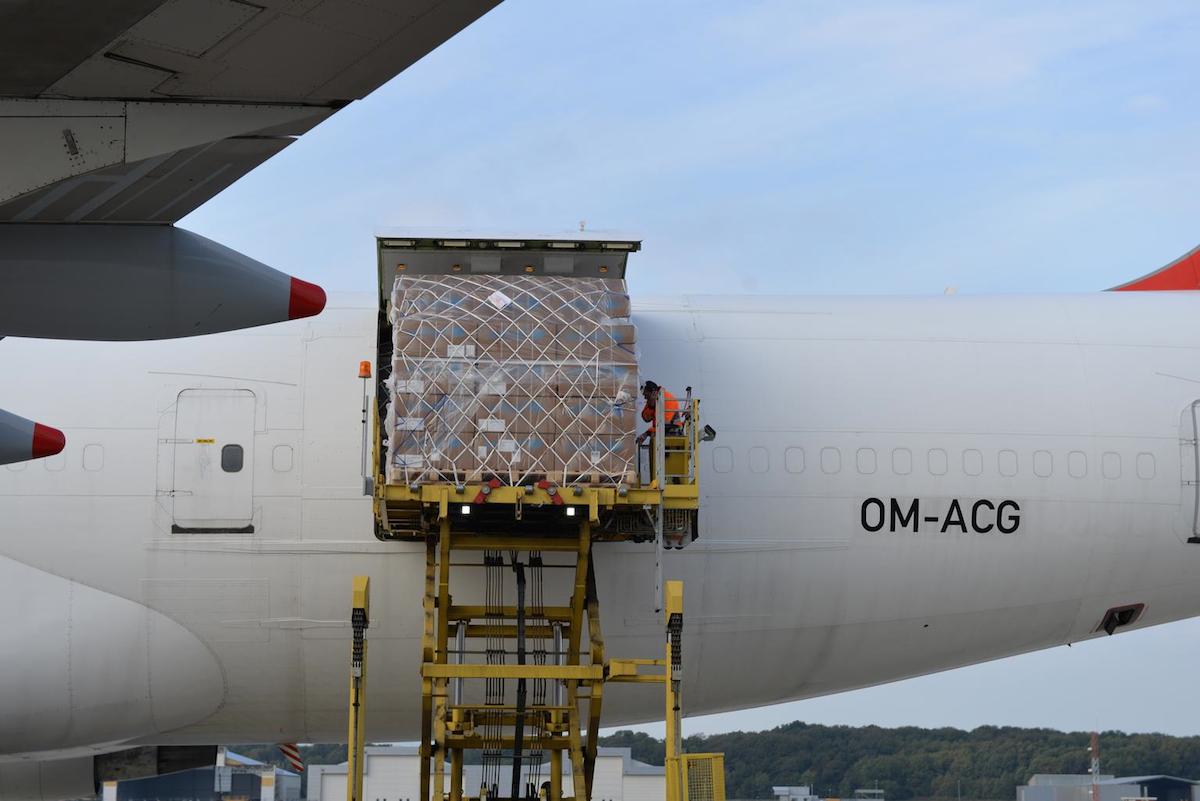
[[82, 776], [47, 780], [82, 669], [22, 439], [134, 282]]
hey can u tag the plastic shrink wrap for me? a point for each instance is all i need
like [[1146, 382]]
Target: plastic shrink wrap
[[518, 378]]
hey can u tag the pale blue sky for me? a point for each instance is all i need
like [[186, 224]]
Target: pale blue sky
[[788, 146]]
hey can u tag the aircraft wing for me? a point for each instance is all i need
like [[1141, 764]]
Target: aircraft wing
[[141, 110], [119, 113]]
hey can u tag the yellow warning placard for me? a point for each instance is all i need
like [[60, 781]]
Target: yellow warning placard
[[206, 441]]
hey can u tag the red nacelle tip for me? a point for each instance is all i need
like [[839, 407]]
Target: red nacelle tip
[[306, 300], [47, 441]]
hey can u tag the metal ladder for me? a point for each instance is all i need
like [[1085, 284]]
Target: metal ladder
[[506, 721]]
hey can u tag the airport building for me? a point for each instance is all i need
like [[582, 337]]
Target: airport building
[[393, 773], [794, 793], [234, 777], [1078, 787]]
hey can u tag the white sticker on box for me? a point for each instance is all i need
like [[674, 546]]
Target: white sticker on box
[[507, 446], [499, 299], [491, 424], [413, 385], [410, 424], [493, 386], [463, 351], [410, 460]]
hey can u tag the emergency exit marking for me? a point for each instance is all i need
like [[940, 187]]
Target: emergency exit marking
[[206, 441]]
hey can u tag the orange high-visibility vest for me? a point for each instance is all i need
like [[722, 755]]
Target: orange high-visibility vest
[[671, 409]]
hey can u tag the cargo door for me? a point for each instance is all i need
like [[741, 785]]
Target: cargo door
[[1189, 468], [213, 487]]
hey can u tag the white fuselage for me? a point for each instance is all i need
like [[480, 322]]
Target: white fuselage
[[1069, 417]]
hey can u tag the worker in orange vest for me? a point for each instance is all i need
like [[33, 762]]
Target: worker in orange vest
[[672, 409]]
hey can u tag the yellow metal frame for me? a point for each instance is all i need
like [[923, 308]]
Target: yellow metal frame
[[701, 777], [674, 496], [680, 453], [570, 727], [360, 616], [453, 728], [682, 491]]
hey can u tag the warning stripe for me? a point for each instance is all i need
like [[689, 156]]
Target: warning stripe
[[291, 752]]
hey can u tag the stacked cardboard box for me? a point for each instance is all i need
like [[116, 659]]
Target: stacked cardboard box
[[513, 377]]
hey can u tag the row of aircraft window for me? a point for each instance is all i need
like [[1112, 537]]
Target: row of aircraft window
[[937, 462], [758, 460], [232, 458], [91, 460]]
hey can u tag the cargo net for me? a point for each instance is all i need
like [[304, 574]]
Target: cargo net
[[518, 378]]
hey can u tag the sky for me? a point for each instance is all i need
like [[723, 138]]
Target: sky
[[796, 147]]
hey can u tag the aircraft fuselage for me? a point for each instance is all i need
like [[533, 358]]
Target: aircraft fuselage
[[899, 486]]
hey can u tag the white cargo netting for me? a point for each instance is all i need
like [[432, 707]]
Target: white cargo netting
[[513, 377]]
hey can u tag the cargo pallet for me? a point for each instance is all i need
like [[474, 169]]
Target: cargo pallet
[[553, 698]]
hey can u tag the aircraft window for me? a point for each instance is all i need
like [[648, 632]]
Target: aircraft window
[[722, 459], [972, 462], [1145, 466], [1077, 464], [232, 457], [1110, 465], [17, 467], [793, 460], [902, 461], [760, 459], [1043, 464], [281, 458], [93, 457], [56, 462], [1006, 461], [831, 460], [937, 462], [866, 461]]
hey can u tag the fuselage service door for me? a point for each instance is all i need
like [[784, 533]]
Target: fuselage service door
[[213, 486]]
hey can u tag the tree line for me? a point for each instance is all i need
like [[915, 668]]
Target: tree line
[[907, 763]]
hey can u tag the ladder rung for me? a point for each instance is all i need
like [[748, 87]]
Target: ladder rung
[[485, 542], [470, 708], [555, 613], [482, 630], [432, 670], [559, 743]]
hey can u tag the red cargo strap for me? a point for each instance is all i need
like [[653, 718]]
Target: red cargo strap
[[551, 490], [486, 490]]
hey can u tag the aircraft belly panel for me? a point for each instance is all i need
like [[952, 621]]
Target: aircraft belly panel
[[79, 666]]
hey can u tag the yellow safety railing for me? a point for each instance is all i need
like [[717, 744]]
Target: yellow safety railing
[[701, 777], [680, 446]]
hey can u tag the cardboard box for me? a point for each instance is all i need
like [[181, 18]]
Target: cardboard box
[[512, 375], [613, 382], [606, 455]]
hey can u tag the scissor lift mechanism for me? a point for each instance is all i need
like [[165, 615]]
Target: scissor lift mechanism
[[563, 715]]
